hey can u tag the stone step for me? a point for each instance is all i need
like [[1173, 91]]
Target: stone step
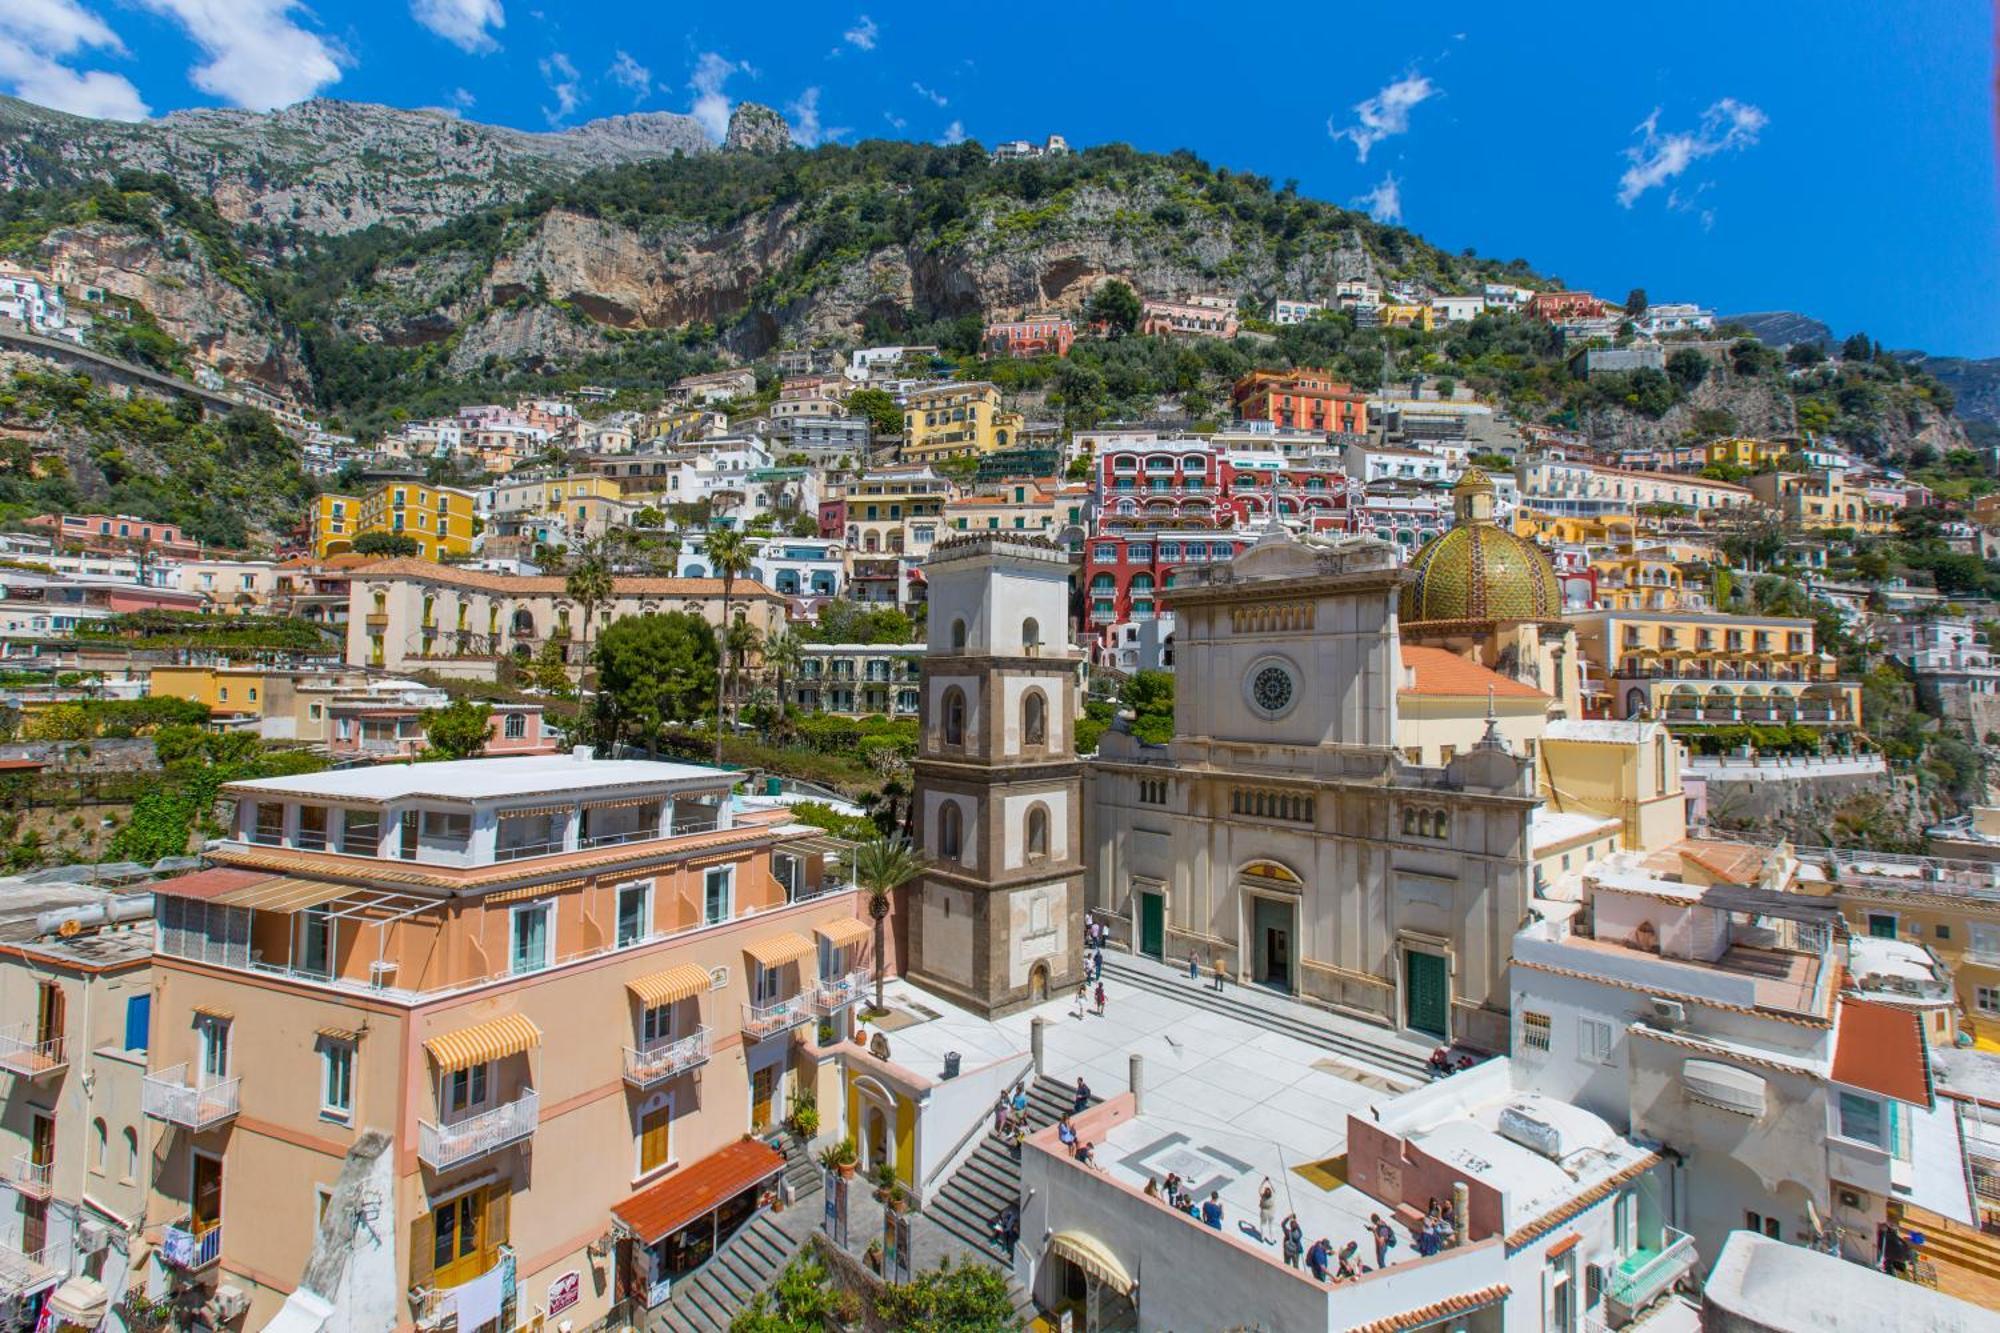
[[747, 1264], [1384, 1056]]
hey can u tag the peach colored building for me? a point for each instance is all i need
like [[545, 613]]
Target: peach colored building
[[442, 1045]]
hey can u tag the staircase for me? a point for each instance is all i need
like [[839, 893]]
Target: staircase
[[1390, 1054], [1967, 1261], [750, 1261]]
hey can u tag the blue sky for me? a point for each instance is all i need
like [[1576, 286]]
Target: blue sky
[[1835, 158]]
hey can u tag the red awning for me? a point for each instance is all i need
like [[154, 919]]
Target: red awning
[[210, 883], [1881, 1048], [695, 1191]]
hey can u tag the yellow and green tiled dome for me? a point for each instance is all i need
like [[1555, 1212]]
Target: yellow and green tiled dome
[[1478, 570]]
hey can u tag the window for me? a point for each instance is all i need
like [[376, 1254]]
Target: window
[[717, 886], [1038, 833], [270, 826], [516, 726], [449, 828], [1593, 1040], [531, 929], [1035, 718], [100, 1144], [656, 1024], [655, 1138], [1535, 1031], [465, 1089], [361, 833], [1861, 1119], [212, 1035], [951, 830], [138, 1021], [634, 918], [1942, 930], [954, 716], [1882, 925], [1769, 1226], [958, 636], [1985, 940], [131, 1171], [315, 944], [336, 1078], [1987, 999], [312, 828]]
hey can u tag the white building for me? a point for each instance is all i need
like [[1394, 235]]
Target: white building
[[1285, 311], [32, 299], [858, 679], [1675, 317], [1367, 463], [1500, 296], [1458, 309]]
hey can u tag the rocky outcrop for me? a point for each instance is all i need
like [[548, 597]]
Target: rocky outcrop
[[757, 129], [525, 337], [172, 276]]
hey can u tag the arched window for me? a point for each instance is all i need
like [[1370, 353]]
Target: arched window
[[1031, 635], [524, 621], [1035, 718], [516, 726], [1409, 821], [98, 1143], [958, 635], [954, 716], [1038, 832], [131, 1155], [1442, 828], [951, 830]]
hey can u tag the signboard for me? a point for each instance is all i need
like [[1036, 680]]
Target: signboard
[[834, 1221], [896, 1264], [564, 1292]]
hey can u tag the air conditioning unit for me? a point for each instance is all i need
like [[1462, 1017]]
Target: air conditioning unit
[[93, 1238], [1669, 1013], [229, 1303]]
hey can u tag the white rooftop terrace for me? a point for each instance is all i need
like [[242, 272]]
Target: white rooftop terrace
[[483, 779]]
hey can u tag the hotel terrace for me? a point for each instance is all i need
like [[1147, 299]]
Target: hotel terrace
[[1691, 667], [513, 1004]]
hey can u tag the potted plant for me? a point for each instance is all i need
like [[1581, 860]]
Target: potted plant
[[872, 1256], [841, 1156], [805, 1122], [885, 1181]]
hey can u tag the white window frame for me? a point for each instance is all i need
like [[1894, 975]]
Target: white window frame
[[644, 887], [336, 1104], [1596, 1041], [547, 907], [1537, 1031], [1986, 999]]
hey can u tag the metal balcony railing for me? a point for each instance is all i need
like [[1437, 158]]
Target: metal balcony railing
[[613, 839], [167, 1095], [440, 1147], [22, 1271], [831, 994], [22, 1053], [1634, 1290], [182, 1247], [657, 1061], [30, 1177], [768, 1020]]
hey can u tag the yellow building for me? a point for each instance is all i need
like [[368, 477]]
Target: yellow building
[[1408, 317], [956, 421], [1642, 581], [1689, 667], [440, 519], [1746, 452], [1824, 500]]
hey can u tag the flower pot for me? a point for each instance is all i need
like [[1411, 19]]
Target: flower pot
[[846, 1170]]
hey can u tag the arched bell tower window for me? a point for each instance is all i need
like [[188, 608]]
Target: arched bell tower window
[[1035, 718], [1031, 636], [954, 716], [1038, 833], [951, 830], [958, 636]]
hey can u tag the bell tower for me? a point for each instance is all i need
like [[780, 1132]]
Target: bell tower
[[997, 917]]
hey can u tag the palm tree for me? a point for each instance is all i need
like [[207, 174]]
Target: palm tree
[[881, 866], [741, 640], [587, 582], [728, 556], [783, 655]]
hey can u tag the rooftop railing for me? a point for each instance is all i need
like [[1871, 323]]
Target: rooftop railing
[[168, 1096]]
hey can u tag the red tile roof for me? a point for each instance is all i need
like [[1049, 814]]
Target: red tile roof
[[1880, 1047], [1436, 1310], [1440, 672], [209, 883], [695, 1191]]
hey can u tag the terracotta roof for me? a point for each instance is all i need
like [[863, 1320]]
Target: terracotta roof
[[517, 585], [695, 1191], [21, 765], [1436, 1310], [1880, 1047], [211, 883], [1580, 1203], [1440, 672], [1736, 862]]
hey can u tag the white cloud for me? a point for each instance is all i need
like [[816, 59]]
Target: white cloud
[[807, 132], [711, 100], [258, 57], [1727, 126], [1384, 203], [937, 98], [632, 76], [35, 37], [896, 122], [462, 100], [564, 85], [463, 23], [953, 133], [1386, 113], [862, 34]]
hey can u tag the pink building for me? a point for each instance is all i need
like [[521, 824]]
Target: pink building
[[1046, 336], [392, 727]]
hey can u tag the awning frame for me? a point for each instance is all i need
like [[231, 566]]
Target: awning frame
[[1094, 1258], [780, 949]]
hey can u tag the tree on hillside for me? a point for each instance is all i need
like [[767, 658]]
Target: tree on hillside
[[1150, 696], [1805, 355], [386, 544], [1635, 303], [1687, 368], [783, 656], [656, 669], [587, 582], [728, 556], [1114, 305], [459, 730], [1857, 348], [879, 406]]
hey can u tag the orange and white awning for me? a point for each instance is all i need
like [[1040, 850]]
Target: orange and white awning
[[777, 950], [671, 986], [844, 931], [495, 1039]]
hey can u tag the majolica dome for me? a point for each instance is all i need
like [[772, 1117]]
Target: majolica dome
[[1479, 570]]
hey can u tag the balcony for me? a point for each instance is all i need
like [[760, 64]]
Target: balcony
[[189, 1250], [35, 1180], [21, 1053], [1647, 1273], [376, 622], [658, 1061], [22, 1272], [832, 994], [441, 1147], [768, 1020], [168, 1096]]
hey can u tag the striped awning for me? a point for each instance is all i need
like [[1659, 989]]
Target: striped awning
[[1090, 1254], [671, 986], [215, 1012], [843, 932], [814, 844], [283, 894], [777, 950], [340, 1034], [510, 1034]]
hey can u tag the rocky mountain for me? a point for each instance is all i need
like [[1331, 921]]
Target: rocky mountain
[[1782, 328], [332, 167], [1975, 383]]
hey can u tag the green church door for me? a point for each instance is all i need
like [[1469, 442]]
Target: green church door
[[1426, 994], [1152, 925]]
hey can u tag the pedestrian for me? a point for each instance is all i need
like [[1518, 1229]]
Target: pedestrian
[[1066, 1133], [1346, 1271], [1082, 1095], [1385, 1239], [1174, 1189], [1211, 1212], [1218, 974], [1000, 1113], [1194, 968], [1082, 999], [1295, 1240], [1099, 997], [1316, 1259], [1020, 1103], [1267, 1208], [1152, 1187]]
